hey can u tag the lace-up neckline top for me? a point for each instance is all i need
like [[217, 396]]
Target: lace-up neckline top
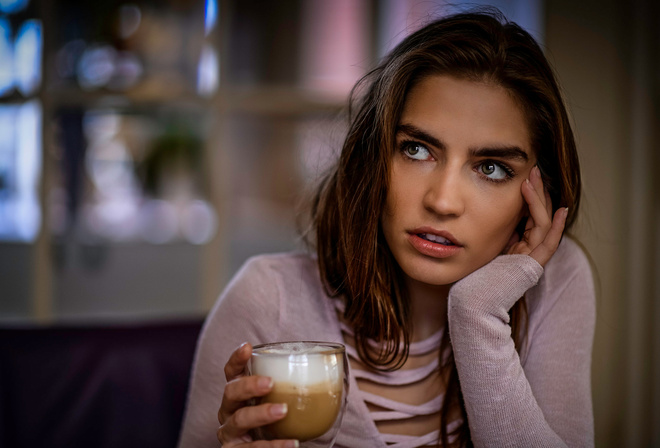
[[402, 398]]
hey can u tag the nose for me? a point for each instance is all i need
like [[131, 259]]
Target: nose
[[444, 195]]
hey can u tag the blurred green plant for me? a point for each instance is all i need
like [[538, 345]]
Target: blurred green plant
[[177, 149]]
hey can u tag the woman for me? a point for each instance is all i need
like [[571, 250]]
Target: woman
[[440, 261]]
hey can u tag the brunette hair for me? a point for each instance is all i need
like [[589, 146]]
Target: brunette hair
[[354, 259]]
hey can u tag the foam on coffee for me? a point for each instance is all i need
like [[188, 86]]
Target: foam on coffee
[[298, 363]]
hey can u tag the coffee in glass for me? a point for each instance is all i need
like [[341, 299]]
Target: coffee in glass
[[312, 379]]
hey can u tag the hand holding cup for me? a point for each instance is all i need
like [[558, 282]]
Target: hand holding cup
[[237, 419]]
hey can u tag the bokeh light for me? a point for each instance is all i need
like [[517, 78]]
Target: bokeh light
[[20, 171], [158, 221], [67, 58], [13, 6], [211, 16], [96, 66], [130, 17], [208, 72], [6, 57], [199, 222], [27, 57]]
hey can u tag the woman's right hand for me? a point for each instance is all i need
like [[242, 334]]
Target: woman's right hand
[[235, 416]]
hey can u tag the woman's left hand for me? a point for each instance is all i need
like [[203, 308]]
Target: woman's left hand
[[543, 231]]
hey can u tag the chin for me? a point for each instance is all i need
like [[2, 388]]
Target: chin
[[434, 274]]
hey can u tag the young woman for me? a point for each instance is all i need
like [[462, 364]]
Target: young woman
[[439, 262]]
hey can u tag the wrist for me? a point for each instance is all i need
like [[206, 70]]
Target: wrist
[[496, 285]]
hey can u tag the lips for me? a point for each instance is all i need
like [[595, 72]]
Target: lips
[[434, 243], [436, 239]]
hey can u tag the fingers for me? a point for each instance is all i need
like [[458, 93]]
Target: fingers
[[235, 367], [235, 417], [248, 418], [544, 251], [246, 442], [542, 231], [537, 207], [263, 444], [267, 444], [240, 390], [537, 183], [548, 202]]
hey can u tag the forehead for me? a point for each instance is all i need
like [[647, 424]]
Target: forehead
[[461, 111]]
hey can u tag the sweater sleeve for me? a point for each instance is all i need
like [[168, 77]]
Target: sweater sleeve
[[547, 403], [247, 311]]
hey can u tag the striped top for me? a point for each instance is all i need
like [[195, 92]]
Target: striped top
[[384, 409]]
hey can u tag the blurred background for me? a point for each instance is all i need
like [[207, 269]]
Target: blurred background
[[148, 147]]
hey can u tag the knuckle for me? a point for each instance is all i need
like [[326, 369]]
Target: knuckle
[[230, 370], [240, 420], [221, 435], [231, 367], [549, 247], [231, 392], [240, 389]]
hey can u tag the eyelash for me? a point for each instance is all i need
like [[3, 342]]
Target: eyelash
[[510, 173], [406, 144]]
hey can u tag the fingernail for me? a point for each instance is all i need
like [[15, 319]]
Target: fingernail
[[278, 410], [265, 383], [292, 444], [537, 170], [527, 181], [565, 212]]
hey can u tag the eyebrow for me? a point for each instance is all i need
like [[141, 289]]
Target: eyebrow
[[504, 152], [418, 134], [501, 152]]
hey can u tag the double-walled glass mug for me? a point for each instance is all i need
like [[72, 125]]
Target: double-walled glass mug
[[312, 379]]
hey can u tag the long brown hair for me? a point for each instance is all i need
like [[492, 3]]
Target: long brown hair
[[354, 259]]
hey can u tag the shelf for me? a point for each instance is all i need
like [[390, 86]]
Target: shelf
[[271, 100], [277, 101]]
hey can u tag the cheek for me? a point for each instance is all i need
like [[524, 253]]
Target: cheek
[[391, 206], [399, 193], [501, 216]]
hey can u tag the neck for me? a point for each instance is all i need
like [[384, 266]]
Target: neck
[[428, 306]]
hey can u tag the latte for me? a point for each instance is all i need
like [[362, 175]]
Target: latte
[[310, 378], [313, 410]]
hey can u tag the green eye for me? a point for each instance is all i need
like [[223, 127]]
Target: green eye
[[494, 171], [415, 151], [488, 168]]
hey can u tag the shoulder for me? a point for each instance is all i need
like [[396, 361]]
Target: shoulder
[[263, 276], [273, 288], [569, 251], [287, 275], [568, 263], [279, 265]]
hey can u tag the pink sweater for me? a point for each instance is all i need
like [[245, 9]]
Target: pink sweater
[[540, 399]]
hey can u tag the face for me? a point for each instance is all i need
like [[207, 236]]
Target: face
[[454, 198]]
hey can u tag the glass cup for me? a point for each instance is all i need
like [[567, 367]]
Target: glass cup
[[312, 379]]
